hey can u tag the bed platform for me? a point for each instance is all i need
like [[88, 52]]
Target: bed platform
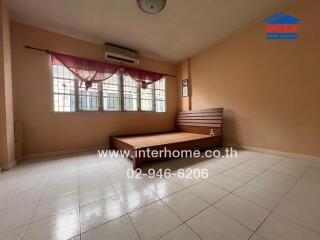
[[195, 130]]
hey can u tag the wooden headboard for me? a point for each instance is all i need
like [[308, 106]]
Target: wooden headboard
[[201, 121]]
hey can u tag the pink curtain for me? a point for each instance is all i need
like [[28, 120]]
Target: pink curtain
[[144, 77], [88, 71], [91, 71]]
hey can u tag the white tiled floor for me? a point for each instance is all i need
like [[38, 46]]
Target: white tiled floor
[[255, 196]]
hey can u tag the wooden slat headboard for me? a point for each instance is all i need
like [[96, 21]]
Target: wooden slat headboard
[[201, 121]]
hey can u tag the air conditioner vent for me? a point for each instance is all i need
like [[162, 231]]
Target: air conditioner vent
[[120, 54]]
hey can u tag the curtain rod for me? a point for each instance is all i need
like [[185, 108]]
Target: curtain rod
[[48, 52]]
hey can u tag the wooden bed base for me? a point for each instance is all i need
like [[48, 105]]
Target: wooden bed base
[[207, 122]]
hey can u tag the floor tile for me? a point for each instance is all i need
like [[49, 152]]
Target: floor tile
[[13, 199], [277, 176], [256, 237], [137, 198], [239, 175], [181, 232], [15, 217], [298, 161], [75, 238], [291, 169], [277, 227], [61, 226], [208, 192], [59, 189], [218, 167], [124, 183], [312, 175], [186, 182], [225, 182], [95, 194], [242, 210], [270, 185], [100, 212], [185, 204], [14, 234], [54, 184], [212, 224], [91, 179], [260, 197], [316, 164], [251, 168], [305, 193], [154, 220], [118, 229], [56, 205], [306, 215], [163, 187], [11, 182]]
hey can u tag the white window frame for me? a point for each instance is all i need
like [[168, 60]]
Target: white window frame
[[101, 102]]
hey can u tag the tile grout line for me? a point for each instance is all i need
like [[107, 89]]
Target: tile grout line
[[182, 221], [272, 211], [127, 214], [38, 202], [78, 194], [231, 192], [159, 199], [116, 191], [185, 188], [209, 204]]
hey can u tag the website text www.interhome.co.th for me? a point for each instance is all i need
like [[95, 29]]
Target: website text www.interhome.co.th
[[167, 153]]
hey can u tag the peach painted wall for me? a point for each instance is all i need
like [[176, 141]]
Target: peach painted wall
[[269, 89], [184, 102], [45, 131], [7, 157]]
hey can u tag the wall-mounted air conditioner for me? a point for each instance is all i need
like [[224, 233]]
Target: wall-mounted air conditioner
[[120, 54]]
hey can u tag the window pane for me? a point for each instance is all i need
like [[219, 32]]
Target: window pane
[[64, 103], [160, 84], [63, 89], [146, 98], [160, 95], [160, 106], [88, 99], [130, 94], [111, 93]]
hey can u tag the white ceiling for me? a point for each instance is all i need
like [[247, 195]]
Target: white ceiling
[[181, 30]]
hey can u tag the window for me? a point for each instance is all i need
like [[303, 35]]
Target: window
[[117, 93], [130, 94], [63, 89], [111, 93], [88, 99], [146, 98], [160, 95]]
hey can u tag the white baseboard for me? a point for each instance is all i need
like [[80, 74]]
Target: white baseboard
[[273, 152], [60, 153]]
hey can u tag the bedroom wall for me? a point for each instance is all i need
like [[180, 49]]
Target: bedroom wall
[[46, 131], [7, 156], [184, 102], [269, 89]]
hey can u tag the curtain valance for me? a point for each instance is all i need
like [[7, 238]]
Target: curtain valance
[[92, 71]]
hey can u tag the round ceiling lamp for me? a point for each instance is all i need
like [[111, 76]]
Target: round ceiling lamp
[[151, 6]]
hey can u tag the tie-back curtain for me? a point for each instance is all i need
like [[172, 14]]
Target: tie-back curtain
[[91, 71], [144, 77]]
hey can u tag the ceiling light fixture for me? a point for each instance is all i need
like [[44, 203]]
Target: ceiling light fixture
[[151, 6]]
